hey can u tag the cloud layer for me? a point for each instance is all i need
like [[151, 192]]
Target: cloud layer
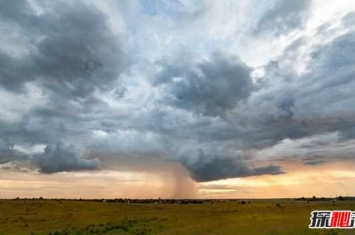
[[88, 79]]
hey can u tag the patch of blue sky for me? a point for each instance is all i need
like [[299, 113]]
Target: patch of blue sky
[[166, 8]]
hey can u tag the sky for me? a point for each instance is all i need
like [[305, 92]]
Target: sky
[[177, 99]]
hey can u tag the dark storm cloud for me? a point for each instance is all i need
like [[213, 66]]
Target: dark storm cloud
[[73, 51], [11, 77], [205, 114], [8, 153], [317, 103], [20, 16], [220, 167], [64, 157], [91, 59], [285, 16], [19, 12], [210, 87], [70, 53], [283, 106]]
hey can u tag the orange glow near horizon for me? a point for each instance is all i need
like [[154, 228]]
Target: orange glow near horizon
[[321, 181]]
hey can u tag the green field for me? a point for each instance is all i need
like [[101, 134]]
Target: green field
[[86, 217]]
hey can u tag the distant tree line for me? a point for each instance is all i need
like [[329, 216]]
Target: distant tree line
[[188, 201], [314, 198]]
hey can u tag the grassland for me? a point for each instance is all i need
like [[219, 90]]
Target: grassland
[[85, 217]]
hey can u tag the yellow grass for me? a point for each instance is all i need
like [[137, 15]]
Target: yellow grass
[[84, 217]]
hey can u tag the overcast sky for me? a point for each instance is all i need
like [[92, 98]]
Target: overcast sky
[[178, 98]]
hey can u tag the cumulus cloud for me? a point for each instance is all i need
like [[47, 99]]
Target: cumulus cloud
[[209, 168], [70, 53], [283, 17], [64, 157], [209, 87], [315, 103], [71, 49], [8, 153]]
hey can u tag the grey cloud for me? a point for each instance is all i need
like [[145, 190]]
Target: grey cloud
[[316, 103], [324, 28], [210, 87], [285, 16], [11, 77], [285, 106], [347, 134], [314, 162], [268, 115], [16, 167], [209, 168], [92, 58], [349, 19], [73, 51], [267, 170], [295, 45], [199, 113], [17, 12], [63, 157], [334, 56], [327, 93], [8, 153]]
